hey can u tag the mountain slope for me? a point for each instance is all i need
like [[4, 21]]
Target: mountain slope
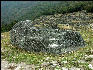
[[22, 10]]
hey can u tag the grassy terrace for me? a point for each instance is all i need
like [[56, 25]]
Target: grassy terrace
[[13, 54]]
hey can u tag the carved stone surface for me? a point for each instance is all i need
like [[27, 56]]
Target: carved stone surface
[[34, 39]]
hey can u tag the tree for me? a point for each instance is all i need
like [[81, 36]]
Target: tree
[[8, 27]]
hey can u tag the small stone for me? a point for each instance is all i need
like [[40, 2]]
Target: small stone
[[74, 68], [81, 61], [64, 68], [18, 68], [64, 61], [4, 64], [2, 36], [91, 62], [55, 63], [90, 56], [13, 65], [90, 66], [91, 51], [45, 64], [47, 58]]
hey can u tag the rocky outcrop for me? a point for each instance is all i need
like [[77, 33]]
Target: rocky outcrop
[[25, 35]]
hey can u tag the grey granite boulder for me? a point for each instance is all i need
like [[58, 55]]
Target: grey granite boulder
[[26, 36]]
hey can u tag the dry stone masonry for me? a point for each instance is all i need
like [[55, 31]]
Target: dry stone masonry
[[34, 39]]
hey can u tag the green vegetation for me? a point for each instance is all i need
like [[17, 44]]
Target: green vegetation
[[7, 27], [26, 10], [13, 54], [31, 10]]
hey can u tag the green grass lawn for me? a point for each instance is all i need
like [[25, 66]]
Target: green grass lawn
[[13, 54]]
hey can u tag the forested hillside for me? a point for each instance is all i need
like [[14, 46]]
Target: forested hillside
[[47, 35], [29, 10]]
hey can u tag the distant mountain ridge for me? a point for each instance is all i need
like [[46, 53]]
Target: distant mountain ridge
[[22, 10]]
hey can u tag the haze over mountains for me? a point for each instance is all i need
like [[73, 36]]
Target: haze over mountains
[[22, 10], [13, 10]]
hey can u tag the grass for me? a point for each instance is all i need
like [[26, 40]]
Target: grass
[[13, 54]]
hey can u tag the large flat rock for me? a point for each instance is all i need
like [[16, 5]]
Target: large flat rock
[[26, 36]]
